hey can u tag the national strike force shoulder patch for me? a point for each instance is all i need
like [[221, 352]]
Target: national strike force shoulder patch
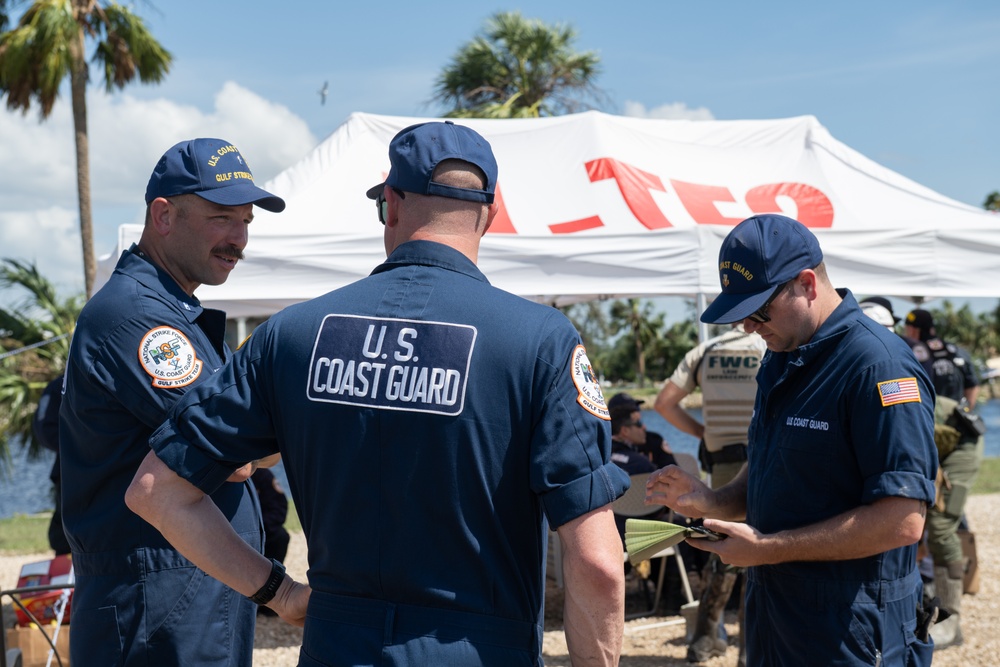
[[169, 358], [590, 395]]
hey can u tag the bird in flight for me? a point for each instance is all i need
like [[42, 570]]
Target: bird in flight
[[323, 92]]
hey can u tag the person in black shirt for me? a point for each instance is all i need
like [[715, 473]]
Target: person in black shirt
[[45, 426]]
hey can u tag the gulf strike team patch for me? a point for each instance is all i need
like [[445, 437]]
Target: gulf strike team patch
[[590, 395], [169, 358], [391, 364], [901, 390]]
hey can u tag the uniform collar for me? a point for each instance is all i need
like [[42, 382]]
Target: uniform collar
[[840, 321], [138, 266], [431, 253]]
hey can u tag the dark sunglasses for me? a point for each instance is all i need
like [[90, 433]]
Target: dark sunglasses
[[382, 207], [760, 315], [637, 422]]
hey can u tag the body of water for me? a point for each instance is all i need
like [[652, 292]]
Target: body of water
[[26, 489]]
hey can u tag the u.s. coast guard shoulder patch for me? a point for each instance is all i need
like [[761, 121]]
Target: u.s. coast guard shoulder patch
[[589, 391], [169, 358]]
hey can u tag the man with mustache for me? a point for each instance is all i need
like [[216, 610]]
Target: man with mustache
[[141, 342], [429, 446]]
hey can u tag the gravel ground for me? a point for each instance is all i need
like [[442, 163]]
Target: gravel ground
[[659, 641]]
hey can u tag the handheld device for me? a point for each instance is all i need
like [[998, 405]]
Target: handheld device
[[702, 532]]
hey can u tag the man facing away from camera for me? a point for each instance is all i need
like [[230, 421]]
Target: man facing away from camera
[[426, 441], [840, 470]]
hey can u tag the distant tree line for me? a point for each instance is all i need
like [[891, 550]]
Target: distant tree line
[[515, 68], [628, 342]]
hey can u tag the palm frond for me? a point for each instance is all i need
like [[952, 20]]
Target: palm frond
[[35, 336], [129, 50], [518, 68], [35, 56]]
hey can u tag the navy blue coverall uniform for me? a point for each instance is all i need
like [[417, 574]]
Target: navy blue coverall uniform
[[140, 343], [428, 424], [841, 422]]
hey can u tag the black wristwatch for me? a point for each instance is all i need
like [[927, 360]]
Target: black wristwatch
[[270, 587]]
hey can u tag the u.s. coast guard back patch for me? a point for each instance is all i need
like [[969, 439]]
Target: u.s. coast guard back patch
[[590, 395], [391, 364], [169, 358]]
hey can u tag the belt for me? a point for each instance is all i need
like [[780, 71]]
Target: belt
[[128, 562], [136, 561], [728, 454], [824, 592], [418, 621]]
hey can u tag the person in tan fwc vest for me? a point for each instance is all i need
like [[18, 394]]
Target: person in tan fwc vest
[[725, 367]]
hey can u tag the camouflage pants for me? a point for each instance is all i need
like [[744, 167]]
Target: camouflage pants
[[960, 468]]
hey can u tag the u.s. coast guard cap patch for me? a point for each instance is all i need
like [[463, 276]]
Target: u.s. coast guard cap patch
[[589, 391], [169, 358]]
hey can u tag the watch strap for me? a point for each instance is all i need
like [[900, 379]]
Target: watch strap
[[270, 587]]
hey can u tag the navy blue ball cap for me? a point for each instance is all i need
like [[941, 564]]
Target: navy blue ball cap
[[417, 150], [214, 170], [758, 256]]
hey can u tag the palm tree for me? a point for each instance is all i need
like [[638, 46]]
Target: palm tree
[[992, 202], [666, 352], [590, 319], [519, 68], [47, 45], [640, 326], [34, 345]]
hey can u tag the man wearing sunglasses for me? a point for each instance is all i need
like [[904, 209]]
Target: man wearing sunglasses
[[840, 470], [628, 433], [432, 428]]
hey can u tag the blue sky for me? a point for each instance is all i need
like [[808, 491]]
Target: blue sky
[[912, 85]]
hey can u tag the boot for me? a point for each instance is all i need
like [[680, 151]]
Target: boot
[[948, 585], [706, 643]]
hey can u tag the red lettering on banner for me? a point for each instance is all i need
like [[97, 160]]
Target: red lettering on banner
[[501, 222], [634, 184], [573, 226], [814, 207], [699, 200]]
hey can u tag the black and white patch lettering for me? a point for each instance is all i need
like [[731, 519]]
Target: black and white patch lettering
[[391, 364]]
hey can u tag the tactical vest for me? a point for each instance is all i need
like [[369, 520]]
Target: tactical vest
[[727, 374], [955, 424], [946, 376]]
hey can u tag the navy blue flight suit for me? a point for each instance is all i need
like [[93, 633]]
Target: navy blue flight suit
[[139, 345], [428, 423], [842, 421]]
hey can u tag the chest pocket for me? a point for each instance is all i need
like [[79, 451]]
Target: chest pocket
[[798, 477]]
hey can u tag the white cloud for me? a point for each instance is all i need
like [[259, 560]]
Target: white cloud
[[674, 111], [38, 201], [48, 238]]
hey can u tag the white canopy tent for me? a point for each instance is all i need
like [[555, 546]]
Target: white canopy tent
[[599, 205]]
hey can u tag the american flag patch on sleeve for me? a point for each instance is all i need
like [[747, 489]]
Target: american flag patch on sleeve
[[902, 390]]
